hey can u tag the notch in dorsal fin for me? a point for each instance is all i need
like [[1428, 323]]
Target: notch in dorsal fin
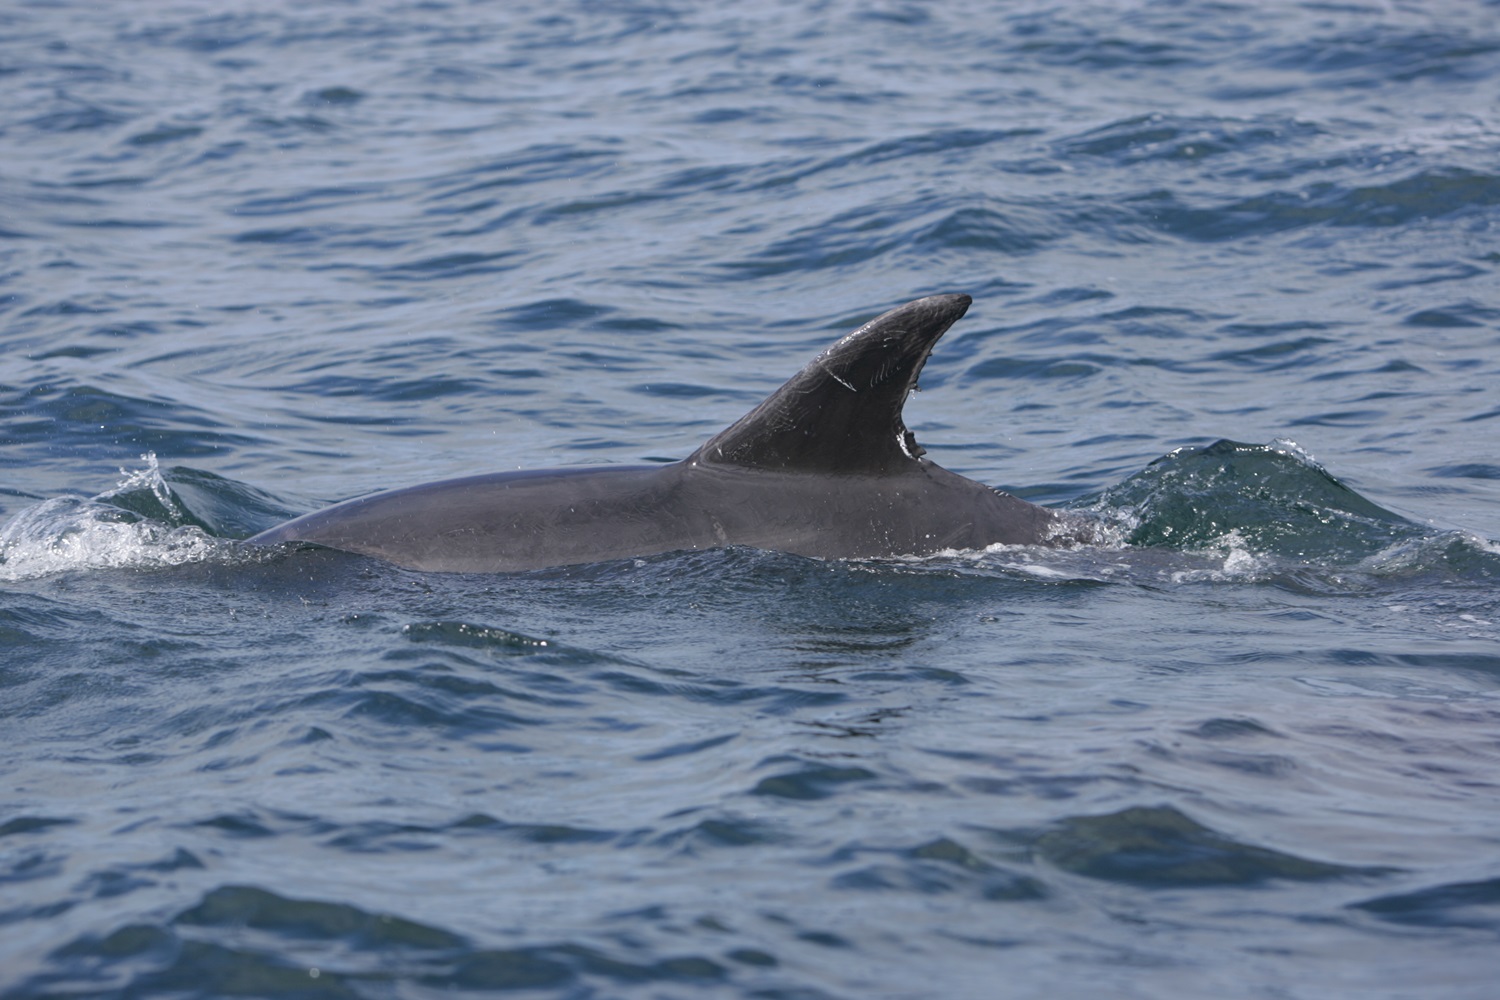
[[842, 413]]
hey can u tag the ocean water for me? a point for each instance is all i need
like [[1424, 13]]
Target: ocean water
[[1234, 269]]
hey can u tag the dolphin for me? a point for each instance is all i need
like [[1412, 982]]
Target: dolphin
[[824, 467]]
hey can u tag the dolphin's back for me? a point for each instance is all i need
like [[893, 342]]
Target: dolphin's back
[[506, 521], [528, 520]]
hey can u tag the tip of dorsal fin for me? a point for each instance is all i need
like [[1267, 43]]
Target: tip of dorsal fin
[[842, 413]]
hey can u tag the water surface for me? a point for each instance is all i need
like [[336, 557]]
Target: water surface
[[1234, 279]]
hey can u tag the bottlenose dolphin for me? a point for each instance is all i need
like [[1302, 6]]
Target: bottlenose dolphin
[[823, 467]]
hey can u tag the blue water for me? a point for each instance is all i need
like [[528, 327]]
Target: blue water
[[1234, 270]]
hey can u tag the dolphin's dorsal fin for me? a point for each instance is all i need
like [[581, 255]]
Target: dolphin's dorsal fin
[[842, 413]]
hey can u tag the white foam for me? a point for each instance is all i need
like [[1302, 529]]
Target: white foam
[[69, 533]]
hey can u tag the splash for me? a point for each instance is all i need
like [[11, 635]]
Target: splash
[[138, 524], [147, 481]]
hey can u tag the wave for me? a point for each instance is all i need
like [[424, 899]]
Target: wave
[[1228, 512], [1241, 513], [144, 522], [243, 934]]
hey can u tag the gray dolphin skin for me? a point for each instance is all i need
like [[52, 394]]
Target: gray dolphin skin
[[823, 467]]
